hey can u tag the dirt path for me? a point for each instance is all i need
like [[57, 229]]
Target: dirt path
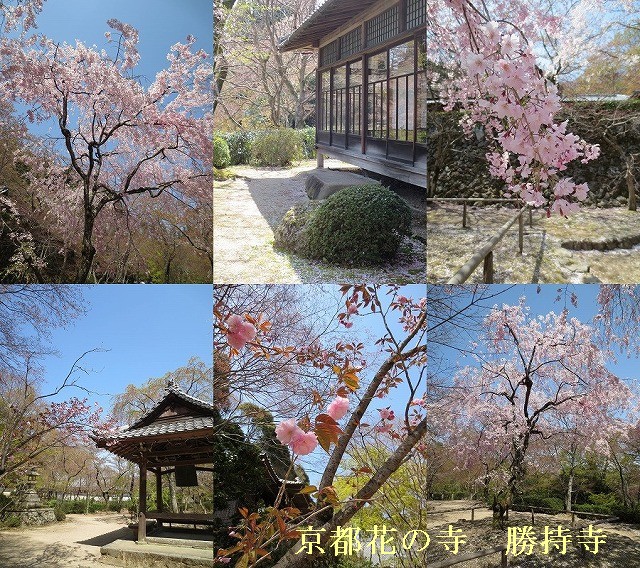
[[545, 259], [249, 208], [620, 548], [74, 543]]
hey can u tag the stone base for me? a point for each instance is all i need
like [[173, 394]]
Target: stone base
[[322, 183], [153, 555], [35, 517]]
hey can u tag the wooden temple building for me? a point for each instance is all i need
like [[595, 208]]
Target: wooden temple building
[[175, 436], [371, 92]]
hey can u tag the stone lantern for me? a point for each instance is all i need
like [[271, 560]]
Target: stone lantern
[[27, 503]]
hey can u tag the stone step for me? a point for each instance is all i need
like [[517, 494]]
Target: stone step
[[154, 555], [320, 184]]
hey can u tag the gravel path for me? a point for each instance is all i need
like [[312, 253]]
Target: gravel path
[[74, 543], [545, 260], [246, 212]]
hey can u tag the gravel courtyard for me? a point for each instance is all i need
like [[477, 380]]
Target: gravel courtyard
[[249, 208], [73, 543]]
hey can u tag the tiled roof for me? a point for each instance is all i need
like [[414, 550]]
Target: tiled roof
[[173, 389], [168, 427]]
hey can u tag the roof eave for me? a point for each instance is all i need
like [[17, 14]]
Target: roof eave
[[304, 38]]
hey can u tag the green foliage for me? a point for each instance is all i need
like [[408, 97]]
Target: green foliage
[[239, 143], [340, 561], [627, 514], [276, 148], [308, 140], [359, 225], [603, 503], [11, 522], [542, 501], [76, 506], [59, 513], [233, 453], [221, 155], [222, 175]]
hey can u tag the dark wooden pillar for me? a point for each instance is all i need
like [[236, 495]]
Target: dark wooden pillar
[[142, 518], [159, 492]]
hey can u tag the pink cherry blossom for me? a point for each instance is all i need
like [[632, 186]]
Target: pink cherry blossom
[[240, 331], [338, 407], [303, 443], [386, 414], [287, 430]]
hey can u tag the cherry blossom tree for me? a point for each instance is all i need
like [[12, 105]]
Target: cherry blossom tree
[[33, 422], [265, 85], [533, 379], [494, 76], [19, 14], [121, 139], [28, 315]]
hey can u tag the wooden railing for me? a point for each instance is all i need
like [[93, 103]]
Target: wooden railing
[[461, 509], [485, 253], [533, 510], [469, 200]]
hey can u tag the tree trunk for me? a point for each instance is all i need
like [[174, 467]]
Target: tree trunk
[[88, 250], [568, 498], [631, 186]]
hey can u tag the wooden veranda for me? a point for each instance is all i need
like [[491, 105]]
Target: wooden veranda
[[175, 436], [371, 84]]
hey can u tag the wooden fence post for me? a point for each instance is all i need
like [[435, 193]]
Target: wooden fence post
[[473, 511], [520, 232], [530, 217], [503, 559], [533, 517], [487, 268], [319, 159], [464, 215]]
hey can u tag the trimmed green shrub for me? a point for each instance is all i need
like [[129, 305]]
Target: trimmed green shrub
[[290, 234], [359, 225], [239, 146], [59, 513], [603, 503], [221, 156], [276, 148]]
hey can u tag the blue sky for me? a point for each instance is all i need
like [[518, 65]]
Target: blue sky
[[367, 329], [160, 23], [148, 330], [552, 297]]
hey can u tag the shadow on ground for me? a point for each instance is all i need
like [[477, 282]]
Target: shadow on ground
[[103, 539]]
